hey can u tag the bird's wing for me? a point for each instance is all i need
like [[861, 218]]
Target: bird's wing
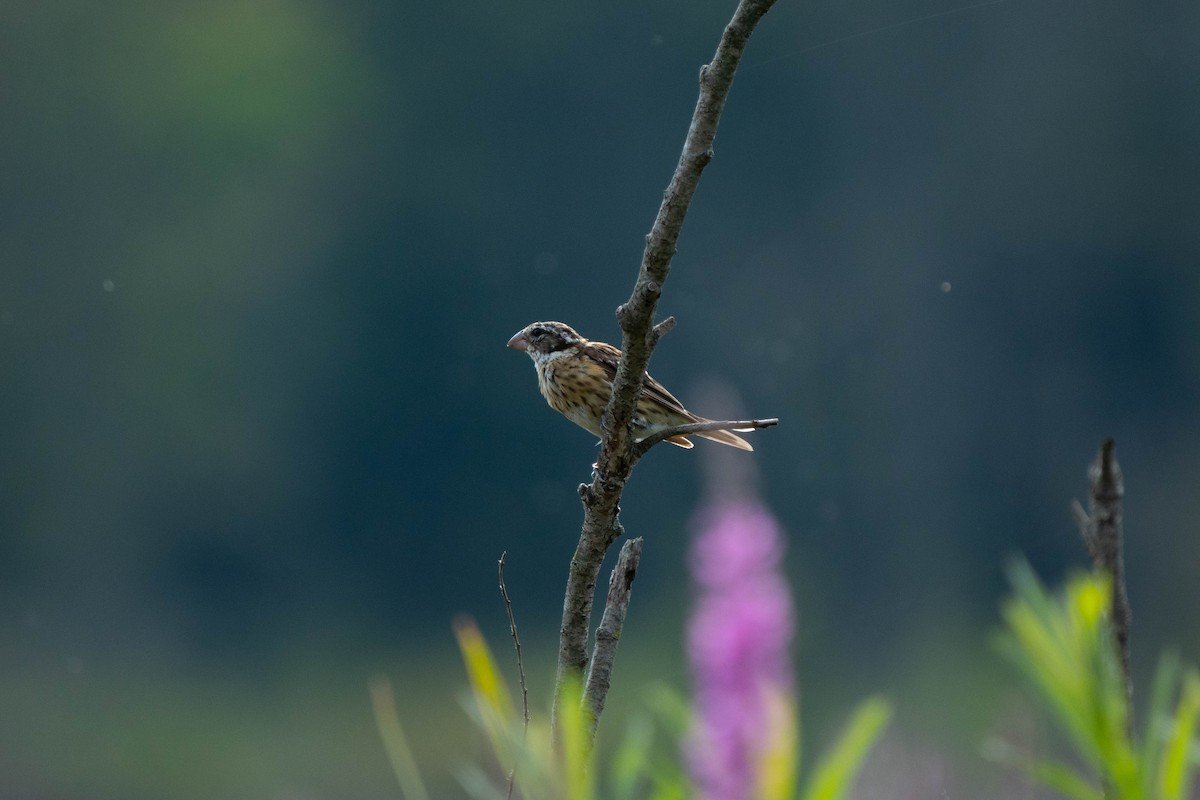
[[607, 357]]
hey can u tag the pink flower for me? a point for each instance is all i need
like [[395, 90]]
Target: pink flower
[[738, 640]]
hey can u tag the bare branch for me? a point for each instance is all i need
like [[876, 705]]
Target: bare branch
[[1102, 531], [642, 445], [617, 458], [512, 629], [636, 314], [608, 635]]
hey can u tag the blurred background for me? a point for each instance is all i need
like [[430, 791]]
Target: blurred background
[[262, 440]]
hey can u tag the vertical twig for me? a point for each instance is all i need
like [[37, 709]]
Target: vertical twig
[[1102, 530], [608, 635], [512, 629], [602, 496]]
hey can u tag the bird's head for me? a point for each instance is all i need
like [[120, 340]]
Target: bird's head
[[542, 339]]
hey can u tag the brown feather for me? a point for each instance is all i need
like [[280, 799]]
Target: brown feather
[[725, 437], [608, 357], [575, 376], [654, 393]]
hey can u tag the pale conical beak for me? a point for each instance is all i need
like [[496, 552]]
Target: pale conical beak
[[519, 342]]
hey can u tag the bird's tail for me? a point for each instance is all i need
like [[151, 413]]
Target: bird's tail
[[727, 437]]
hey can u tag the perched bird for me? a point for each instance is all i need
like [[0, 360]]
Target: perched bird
[[576, 375]]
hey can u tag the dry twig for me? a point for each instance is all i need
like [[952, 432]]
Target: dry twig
[[1102, 531], [608, 635], [512, 629]]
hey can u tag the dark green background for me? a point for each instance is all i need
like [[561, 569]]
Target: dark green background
[[262, 440]]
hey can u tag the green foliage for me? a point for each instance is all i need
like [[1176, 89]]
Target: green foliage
[[1065, 647], [395, 742], [646, 761], [539, 770], [835, 773]]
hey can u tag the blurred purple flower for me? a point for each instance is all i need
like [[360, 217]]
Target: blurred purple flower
[[738, 640]]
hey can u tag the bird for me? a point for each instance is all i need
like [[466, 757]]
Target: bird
[[575, 375]]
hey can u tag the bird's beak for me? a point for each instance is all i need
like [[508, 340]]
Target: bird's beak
[[519, 342]]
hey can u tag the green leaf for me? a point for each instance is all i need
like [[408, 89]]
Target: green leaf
[[395, 743], [1174, 773], [671, 709], [1157, 722], [486, 681], [497, 715], [836, 771], [775, 771], [1064, 780], [669, 788], [631, 761], [478, 785], [1065, 647]]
